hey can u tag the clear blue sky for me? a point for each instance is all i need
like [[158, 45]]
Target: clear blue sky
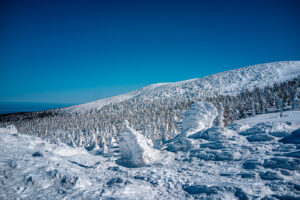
[[78, 51]]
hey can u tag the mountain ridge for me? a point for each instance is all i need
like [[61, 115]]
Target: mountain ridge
[[227, 82]]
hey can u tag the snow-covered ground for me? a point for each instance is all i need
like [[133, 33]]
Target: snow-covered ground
[[228, 82], [244, 160]]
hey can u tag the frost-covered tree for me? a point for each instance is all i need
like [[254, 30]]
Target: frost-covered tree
[[158, 118], [295, 102]]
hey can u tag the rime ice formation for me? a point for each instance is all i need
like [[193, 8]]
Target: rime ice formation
[[200, 116], [135, 149]]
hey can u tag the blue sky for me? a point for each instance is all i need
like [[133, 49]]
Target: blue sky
[[79, 51]]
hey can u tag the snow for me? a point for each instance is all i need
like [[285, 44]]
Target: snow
[[228, 82], [219, 163], [200, 116], [252, 158], [294, 138], [11, 129], [289, 116], [135, 149]]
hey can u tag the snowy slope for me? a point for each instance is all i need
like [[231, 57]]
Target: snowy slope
[[221, 163], [229, 82], [245, 160]]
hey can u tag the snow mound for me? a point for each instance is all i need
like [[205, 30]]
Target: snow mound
[[135, 149], [200, 116], [179, 144], [214, 134]]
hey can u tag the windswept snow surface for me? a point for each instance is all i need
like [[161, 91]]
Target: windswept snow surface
[[229, 82], [244, 160]]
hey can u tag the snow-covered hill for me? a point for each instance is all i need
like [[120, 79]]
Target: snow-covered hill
[[245, 160], [229, 82], [160, 111], [224, 136]]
